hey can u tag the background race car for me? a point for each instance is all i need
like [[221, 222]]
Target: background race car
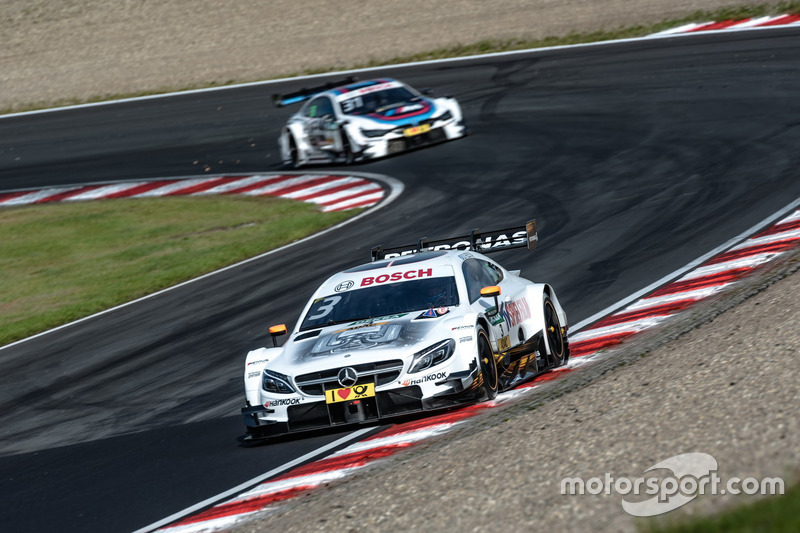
[[421, 328], [364, 120]]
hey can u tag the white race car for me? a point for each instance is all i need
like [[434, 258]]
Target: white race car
[[418, 329], [364, 120]]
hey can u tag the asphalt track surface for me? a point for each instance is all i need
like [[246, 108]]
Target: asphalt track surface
[[635, 158]]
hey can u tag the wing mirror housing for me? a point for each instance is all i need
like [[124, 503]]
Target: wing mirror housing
[[492, 291], [275, 332]]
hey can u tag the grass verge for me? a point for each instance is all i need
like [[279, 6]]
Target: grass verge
[[61, 262], [775, 514], [477, 48]]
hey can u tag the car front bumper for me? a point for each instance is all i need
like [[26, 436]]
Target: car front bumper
[[454, 390]]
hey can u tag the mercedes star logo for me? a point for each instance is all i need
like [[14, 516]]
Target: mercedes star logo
[[347, 377]]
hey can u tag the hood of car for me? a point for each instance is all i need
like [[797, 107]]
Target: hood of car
[[374, 339], [403, 114]]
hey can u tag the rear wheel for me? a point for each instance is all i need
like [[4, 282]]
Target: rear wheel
[[555, 334], [488, 364]]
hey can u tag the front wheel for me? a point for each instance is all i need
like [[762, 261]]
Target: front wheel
[[347, 147], [488, 365], [294, 156]]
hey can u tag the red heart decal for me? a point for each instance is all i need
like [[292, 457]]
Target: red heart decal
[[343, 393]]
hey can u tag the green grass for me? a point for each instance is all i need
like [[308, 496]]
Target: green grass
[[61, 262], [480, 47], [771, 513]]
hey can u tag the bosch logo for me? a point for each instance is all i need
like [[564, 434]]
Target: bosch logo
[[343, 286], [347, 377]]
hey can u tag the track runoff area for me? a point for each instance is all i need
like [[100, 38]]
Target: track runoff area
[[711, 275]]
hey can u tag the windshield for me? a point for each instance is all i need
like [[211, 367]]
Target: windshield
[[378, 101], [381, 300]]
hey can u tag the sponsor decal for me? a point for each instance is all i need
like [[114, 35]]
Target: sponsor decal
[[468, 326], [430, 377], [494, 317], [258, 362], [282, 402], [253, 374], [397, 276], [373, 88], [503, 344], [347, 394], [435, 313], [362, 326], [515, 312], [502, 240], [466, 255], [465, 339], [358, 338], [373, 321], [344, 286]]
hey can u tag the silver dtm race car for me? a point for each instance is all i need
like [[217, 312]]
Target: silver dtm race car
[[419, 328], [364, 120]]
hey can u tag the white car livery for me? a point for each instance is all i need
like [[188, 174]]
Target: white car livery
[[430, 327], [364, 120]]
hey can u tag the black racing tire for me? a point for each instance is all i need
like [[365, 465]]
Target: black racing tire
[[294, 156], [488, 365], [347, 146], [555, 335]]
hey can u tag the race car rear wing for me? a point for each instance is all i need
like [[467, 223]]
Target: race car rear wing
[[486, 242], [281, 100]]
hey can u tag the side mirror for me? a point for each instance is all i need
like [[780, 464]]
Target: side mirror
[[492, 291], [275, 332]]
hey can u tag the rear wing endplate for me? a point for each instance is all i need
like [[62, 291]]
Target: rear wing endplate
[[281, 100], [483, 242]]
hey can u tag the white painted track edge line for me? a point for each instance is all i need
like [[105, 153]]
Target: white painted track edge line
[[383, 67], [395, 186], [771, 219], [256, 480]]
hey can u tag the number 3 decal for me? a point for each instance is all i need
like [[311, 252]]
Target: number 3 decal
[[326, 307]]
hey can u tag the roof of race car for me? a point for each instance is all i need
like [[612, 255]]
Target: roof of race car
[[367, 86], [404, 268]]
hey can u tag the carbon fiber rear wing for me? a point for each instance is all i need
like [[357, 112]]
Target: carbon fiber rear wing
[[486, 242], [281, 100]]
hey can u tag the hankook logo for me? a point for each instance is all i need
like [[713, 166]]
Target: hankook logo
[[347, 377]]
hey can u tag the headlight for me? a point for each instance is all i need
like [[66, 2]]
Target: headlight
[[446, 116], [374, 133], [432, 356], [276, 383]]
